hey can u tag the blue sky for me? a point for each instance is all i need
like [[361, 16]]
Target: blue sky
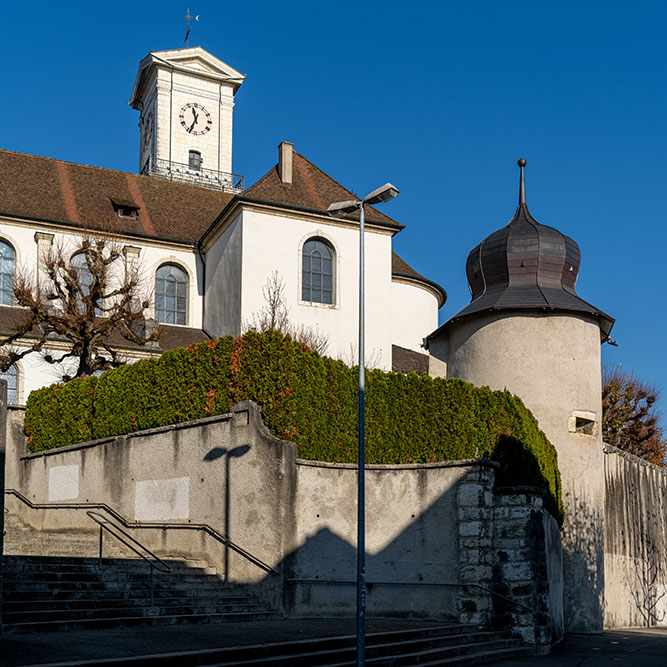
[[438, 98]]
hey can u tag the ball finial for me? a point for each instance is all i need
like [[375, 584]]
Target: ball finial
[[522, 162]]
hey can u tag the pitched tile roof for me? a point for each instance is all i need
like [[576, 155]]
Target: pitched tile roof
[[43, 188], [171, 337], [311, 189], [408, 361]]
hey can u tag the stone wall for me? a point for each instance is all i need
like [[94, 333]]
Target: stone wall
[[439, 540], [635, 541], [528, 567]]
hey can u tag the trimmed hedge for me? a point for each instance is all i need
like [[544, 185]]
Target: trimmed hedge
[[308, 399]]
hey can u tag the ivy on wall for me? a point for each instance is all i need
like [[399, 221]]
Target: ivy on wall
[[308, 399]]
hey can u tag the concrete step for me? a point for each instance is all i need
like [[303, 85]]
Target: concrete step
[[73, 613], [129, 621], [110, 574], [28, 561], [42, 604], [483, 657], [13, 564], [434, 645], [45, 594]]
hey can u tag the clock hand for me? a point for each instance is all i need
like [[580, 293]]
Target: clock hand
[[195, 116]]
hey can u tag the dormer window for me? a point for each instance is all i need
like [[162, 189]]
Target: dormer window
[[194, 160], [125, 209]]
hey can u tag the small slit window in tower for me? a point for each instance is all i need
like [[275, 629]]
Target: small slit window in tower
[[583, 423], [584, 426], [194, 160]]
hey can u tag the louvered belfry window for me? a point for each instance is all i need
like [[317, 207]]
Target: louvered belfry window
[[317, 272], [194, 160], [171, 295]]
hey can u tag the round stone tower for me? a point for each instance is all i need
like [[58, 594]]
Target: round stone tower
[[526, 330]]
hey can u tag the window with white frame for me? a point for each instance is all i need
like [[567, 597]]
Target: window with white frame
[[79, 263], [171, 295], [317, 272], [11, 375], [7, 272]]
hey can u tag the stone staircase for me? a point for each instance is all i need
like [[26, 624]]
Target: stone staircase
[[52, 581], [439, 645], [47, 593], [66, 590]]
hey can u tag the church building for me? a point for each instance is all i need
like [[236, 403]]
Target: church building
[[207, 246]]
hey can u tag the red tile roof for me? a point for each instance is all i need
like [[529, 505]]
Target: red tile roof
[[171, 337], [311, 189], [46, 189]]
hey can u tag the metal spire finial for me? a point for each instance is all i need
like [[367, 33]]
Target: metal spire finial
[[522, 186], [188, 27]]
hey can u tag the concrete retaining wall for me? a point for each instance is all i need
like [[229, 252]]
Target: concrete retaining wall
[[432, 529], [635, 542], [410, 510]]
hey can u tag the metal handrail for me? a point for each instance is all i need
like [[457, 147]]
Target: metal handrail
[[105, 524], [410, 583], [204, 527]]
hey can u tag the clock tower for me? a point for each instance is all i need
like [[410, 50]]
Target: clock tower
[[186, 101]]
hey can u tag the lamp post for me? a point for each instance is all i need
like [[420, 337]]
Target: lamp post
[[382, 194]]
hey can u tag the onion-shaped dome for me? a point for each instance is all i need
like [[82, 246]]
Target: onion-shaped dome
[[526, 265]]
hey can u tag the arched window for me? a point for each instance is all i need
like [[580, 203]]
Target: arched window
[[7, 269], [194, 160], [85, 278], [12, 383], [171, 295], [317, 272]]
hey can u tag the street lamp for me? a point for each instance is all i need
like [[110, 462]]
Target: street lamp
[[382, 194]]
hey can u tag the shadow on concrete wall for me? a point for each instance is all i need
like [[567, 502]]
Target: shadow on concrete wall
[[583, 565], [414, 575], [213, 455]]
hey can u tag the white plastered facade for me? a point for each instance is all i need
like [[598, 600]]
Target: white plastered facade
[[257, 244], [32, 371]]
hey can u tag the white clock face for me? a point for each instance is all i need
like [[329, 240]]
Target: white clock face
[[195, 119]]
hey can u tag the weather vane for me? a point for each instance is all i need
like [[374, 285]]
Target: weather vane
[[188, 26]]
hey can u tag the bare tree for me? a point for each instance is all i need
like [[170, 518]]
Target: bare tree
[[649, 585], [629, 419], [275, 315], [84, 295]]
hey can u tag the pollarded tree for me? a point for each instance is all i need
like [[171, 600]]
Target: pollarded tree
[[84, 296], [629, 419]]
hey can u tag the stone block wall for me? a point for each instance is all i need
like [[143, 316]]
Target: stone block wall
[[475, 517], [521, 568]]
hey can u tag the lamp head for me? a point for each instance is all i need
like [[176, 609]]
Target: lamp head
[[344, 206], [382, 194]]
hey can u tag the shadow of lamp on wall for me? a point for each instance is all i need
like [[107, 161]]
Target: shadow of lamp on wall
[[213, 455]]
